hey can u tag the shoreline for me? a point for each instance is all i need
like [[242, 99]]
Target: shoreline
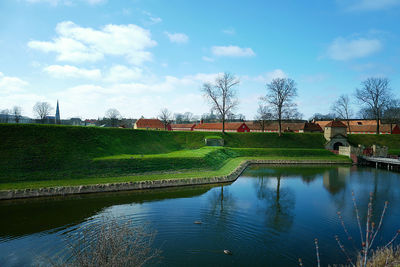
[[153, 184]]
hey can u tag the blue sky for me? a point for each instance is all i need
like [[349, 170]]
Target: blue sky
[[139, 56]]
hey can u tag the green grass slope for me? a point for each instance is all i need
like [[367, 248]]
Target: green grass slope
[[49, 152]]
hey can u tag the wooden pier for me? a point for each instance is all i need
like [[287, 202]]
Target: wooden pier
[[387, 163]]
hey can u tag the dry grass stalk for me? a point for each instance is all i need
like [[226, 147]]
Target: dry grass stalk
[[363, 259], [111, 243]]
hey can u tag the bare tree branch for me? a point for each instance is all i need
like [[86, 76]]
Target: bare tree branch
[[165, 117], [42, 110], [341, 108], [17, 111], [375, 94], [114, 115], [222, 95], [280, 95]]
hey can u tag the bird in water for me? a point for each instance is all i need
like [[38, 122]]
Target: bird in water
[[227, 252], [198, 222]]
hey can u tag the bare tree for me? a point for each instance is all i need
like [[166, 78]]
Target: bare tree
[[392, 113], [179, 118], [222, 95], [280, 94], [375, 94], [341, 108], [42, 110], [322, 117], [17, 111], [263, 115], [188, 117], [114, 115], [165, 117], [240, 117]]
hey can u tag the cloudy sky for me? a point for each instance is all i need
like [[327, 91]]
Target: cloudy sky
[[139, 56]]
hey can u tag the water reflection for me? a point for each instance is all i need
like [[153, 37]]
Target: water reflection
[[271, 214], [334, 180], [28, 216], [220, 200], [279, 202]]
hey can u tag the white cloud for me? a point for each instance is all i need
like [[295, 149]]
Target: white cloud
[[11, 85], [120, 73], [365, 5], [232, 51], [229, 31], [51, 2], [96, 2], [152, 19], [268, 76], [208, 59], [79, 44], [68, 71], [134, 99], [65, 2], [344, 49], [179, 38]]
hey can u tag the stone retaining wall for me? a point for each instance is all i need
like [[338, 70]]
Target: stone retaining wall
[[85, 189]]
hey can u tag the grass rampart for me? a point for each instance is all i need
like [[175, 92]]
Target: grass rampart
[[61, 154], [392, 141]]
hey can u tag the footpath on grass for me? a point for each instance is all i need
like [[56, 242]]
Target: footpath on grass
[[47, 160]]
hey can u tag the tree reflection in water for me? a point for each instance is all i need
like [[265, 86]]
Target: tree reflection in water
[[221, 201], [279, 202]]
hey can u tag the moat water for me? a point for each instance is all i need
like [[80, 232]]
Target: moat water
[[269, 216]]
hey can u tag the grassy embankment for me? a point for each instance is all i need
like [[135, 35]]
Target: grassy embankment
[[391, 141], [33, 156]]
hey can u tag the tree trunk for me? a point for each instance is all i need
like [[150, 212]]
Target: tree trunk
[[223, 124], [377, 125], [279, 127]]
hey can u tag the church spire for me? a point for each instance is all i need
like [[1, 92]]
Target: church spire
[[58, 120]]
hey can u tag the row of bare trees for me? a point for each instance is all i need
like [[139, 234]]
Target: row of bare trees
[[276, 104], [375, 97], [376, 100]]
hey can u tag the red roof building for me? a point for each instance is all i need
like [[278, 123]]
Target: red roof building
[[336, 124], [240, 127], [363, 126], [296, 127], [150, 124], [371, 129], [183, 127]]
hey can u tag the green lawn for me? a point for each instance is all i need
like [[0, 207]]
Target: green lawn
[[34, 155], [228, 166]]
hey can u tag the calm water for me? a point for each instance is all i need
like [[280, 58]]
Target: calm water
[[269, 216]]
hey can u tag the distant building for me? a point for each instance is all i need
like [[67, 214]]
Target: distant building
[[335, 133], [183, 127], [371, 129], [75, 122], [240, 127], [365, 127], [295, 127], [91, 122], [58, 119], [150, 124]]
